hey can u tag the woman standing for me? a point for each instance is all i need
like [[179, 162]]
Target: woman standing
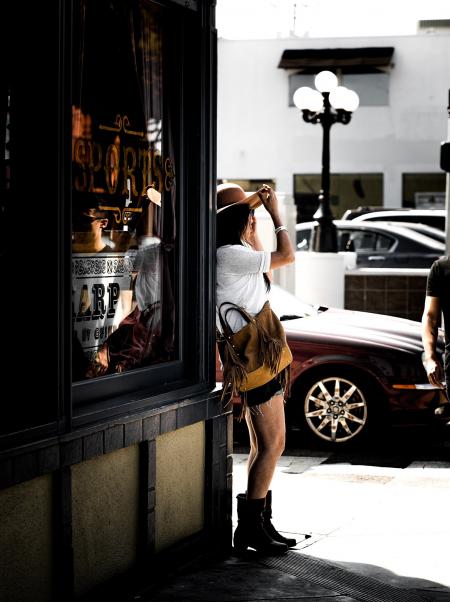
[[243, 278]]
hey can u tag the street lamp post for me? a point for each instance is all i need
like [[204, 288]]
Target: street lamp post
[[317, 107]]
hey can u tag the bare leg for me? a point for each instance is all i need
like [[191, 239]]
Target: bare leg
[[253, 442], [269, 429]]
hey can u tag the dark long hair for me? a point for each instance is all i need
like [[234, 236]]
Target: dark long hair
[[231, 225]]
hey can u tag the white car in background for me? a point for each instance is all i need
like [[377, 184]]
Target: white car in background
[[430, 217], [434, 233], [379, 244]]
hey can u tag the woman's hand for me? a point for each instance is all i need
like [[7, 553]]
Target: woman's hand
[[269, 199]]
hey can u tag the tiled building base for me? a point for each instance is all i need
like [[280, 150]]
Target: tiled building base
[[395, 294]]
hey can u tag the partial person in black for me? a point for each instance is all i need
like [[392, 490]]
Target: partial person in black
[[437, 303]]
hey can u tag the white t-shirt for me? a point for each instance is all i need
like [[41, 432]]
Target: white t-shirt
[[240, 280]]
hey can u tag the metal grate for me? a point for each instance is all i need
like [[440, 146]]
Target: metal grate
[[339, 580]]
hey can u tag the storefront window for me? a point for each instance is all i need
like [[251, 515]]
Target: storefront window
[[124, 211], [347, 191], [424, 190]]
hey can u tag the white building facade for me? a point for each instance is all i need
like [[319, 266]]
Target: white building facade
[[387, 155]]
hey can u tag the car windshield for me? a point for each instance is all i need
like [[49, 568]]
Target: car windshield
[[288, 307], [415, 235], [434, 233]]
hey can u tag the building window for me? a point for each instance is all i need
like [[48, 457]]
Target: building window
[[347, 191], [124, 210], [135, 151], [372, 88], [424, 190]]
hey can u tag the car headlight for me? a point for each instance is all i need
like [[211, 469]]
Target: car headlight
[[417, 386]]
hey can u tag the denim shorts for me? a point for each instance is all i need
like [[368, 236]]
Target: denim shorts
[[262, 394]]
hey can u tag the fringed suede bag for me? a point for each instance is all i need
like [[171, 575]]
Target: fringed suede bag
[[255, 354]]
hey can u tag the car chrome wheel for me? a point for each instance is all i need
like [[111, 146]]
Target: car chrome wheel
[[335, 409]]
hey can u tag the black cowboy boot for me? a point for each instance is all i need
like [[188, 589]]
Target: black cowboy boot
[[269, 528], [250, 532]]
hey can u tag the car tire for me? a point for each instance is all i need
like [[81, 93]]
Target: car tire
[[336, 408]]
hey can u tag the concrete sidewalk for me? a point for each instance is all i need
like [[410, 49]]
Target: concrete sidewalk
[[365, 532]]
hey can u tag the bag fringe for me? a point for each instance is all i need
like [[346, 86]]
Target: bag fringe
[[271, 349], [236, 372]]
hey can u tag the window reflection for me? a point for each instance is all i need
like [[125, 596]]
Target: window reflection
[[123, 192]]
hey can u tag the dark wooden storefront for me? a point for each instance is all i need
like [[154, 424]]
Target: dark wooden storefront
[[119, 465]]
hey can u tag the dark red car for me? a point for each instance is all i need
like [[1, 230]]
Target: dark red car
[[353, 372]]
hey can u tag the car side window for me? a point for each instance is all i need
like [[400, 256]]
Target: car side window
[[303, 240], [364, 241], [345, 242], [384, 243]]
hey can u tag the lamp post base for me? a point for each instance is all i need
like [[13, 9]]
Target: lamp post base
[[325, 237]]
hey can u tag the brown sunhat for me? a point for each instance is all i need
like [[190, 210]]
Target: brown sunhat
[[231, 194]]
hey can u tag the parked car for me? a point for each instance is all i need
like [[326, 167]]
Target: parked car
[[353, 372], [430, 217], [435, 233], [379, 244], [362, 210]]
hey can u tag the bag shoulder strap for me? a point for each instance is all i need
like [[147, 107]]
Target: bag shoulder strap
[[223, 316], [242, 311]]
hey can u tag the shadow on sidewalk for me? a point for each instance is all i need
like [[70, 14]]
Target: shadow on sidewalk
[[295, 576]]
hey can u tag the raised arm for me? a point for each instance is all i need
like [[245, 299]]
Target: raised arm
[[284, 253]]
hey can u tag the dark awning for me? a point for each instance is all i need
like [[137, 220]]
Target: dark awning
[[336, 58]]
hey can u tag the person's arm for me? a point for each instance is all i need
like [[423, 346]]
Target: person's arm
[[284, 253], [430, 323]]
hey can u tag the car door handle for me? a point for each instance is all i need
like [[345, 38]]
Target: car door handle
[[376, 257]]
